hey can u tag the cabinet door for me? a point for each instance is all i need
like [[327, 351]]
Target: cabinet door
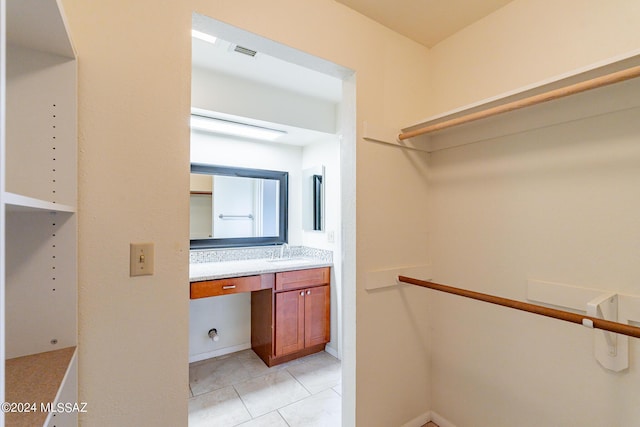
[[317, 316], [289, 323]]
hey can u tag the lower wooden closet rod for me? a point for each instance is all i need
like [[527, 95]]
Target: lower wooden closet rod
[[606, 325]]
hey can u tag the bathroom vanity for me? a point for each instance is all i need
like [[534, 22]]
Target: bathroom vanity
[[290, 302]]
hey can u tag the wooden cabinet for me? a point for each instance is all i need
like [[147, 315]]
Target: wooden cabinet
[[297, 279], [290, 310], [38, 215], [289, 322], [317, 316], [301, 319], [233, 285], [293, 320]]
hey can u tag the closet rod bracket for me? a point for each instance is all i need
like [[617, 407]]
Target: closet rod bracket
[[611, 350]]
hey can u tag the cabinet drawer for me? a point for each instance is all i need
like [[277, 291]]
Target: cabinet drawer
[[212, 288], [302, 278]]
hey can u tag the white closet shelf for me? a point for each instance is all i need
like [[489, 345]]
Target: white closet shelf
[[477, 121], [20, 203], [36, 378], [39, 25]]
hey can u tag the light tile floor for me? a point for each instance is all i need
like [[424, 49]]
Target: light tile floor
[[240, 390]]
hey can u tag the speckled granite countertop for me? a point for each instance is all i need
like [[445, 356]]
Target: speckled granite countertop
[[220, 270], [219, 265]]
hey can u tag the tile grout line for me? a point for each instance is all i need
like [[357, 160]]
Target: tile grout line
[[269, 372], [300, 400], [262, 376], [307, 390], [302, 385], [243, 404], [283, 418]]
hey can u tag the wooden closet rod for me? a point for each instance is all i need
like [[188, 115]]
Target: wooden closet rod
[[606, 325], [597, 82]]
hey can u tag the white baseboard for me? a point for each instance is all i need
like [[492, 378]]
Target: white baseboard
[[419, 421], [422, 419], [220, 352], [332, 351], [440, 420]]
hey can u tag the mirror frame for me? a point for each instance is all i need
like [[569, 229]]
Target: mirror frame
[[318, 202], [313, 199], [282, 177]]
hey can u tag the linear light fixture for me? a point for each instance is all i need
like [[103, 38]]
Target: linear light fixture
[[229, 127], [203, 36]]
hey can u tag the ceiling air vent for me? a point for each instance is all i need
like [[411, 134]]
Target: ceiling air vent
[[245, 51]]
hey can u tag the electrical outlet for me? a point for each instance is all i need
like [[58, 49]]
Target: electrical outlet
[[141, 259], [331, 236]]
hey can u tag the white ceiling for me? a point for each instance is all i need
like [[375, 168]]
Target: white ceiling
[[263, 68], [426, 21], [271, 71]]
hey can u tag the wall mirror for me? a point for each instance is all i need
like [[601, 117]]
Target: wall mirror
[[231, 207], [313, 185]]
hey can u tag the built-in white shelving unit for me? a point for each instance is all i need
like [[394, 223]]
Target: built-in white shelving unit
[[17, 202], [38, 219]]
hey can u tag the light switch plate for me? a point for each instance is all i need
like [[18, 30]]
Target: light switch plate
[[331, 236], [141, 259]]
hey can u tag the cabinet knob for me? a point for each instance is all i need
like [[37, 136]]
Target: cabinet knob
[[302, 293], [309, 292]]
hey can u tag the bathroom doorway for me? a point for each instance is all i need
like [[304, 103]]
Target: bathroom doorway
[[242, 78]]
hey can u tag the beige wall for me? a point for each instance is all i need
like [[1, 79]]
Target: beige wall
[[134, 99], [528, 41], [558, 203], [134, 155]]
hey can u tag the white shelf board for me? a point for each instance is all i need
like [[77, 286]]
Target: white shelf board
[[39, 25], [432, 142], [19, 203]]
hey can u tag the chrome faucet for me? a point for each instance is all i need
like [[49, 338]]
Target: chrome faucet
[[285, 248]]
